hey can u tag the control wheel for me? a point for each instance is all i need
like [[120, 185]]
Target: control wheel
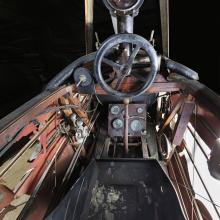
[[118, 72]]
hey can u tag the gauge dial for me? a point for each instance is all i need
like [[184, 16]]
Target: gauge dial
[[117, 123], [136, 126], [140, 110], [115, 109]]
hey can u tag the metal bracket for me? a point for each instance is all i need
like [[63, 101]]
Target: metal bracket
[[144, 144]]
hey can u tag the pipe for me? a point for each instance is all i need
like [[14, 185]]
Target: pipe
[[180, 69], [62, 76], [125, 24], [126, 117]]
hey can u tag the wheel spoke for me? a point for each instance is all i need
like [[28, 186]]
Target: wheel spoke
[[133, 55], [119, 82], [111, 63], [111, 77]]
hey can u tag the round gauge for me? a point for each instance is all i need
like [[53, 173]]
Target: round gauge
[[140, 110], [136, 126], [117, 123], [122, 4], [115, 109]]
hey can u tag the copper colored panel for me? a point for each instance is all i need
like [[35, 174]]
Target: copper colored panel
[[133, 115]]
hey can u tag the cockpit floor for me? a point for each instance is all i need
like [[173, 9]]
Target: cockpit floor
[[121, 189]]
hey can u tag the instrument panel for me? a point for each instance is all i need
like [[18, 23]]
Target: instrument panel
[[136, 122]]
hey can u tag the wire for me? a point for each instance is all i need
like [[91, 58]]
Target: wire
[[202, 181], [183, 203], [194, 150], [185, 180], [180, 184]]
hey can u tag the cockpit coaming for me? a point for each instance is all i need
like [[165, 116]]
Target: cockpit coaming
[[115, 121]]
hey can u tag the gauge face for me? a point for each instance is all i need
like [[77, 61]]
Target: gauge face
[[115, 109], [122, 4], [140, 110], [117, 123], [136, 126]]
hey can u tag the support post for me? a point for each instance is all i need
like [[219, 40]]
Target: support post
[[164, 18], [171, 115], [182, 122], [89, 5]]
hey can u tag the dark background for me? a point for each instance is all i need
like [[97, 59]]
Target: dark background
[[39, 38]]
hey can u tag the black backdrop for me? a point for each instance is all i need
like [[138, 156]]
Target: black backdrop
[[38, 38]]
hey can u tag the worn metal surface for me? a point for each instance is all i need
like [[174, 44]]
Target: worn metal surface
[[120, 189], [28, 145], [12, 123], [46, 134]]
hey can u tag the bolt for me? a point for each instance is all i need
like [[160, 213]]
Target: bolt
[[82, 78]]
